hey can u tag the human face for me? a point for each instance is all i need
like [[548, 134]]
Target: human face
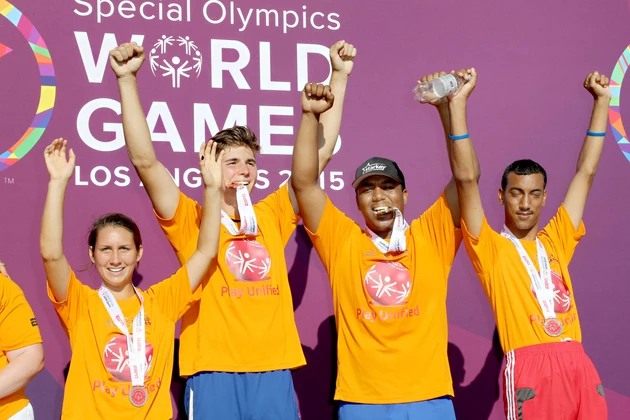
[[380, 191], [523, 198], [115, 256], [239, 166]]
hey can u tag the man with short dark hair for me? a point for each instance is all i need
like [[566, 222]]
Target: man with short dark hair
[[389, 281], [524, 272]]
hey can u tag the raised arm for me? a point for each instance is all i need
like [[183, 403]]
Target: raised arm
[[310, 197], [464, 163], [23, 365], [442, 106], [51, 236], [342, 60], [577, 193], [208, 242], [125, 61]]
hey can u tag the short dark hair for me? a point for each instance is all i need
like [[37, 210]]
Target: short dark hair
[[114, 220], [237, 136], [523, 167]]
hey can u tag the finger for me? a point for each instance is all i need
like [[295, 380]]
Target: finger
[[354, 52], [139, 50], [117, 55], [604, 81], [129, 49], [64, 146], [220, 158], [307, 89], [320, 91], [202, 150], [72, 158], [473, 76], [327, 92], [211, 154], [337, 47]]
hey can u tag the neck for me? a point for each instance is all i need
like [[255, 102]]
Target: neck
[[228, 202], [526, 234], [121, 292], [385, 234]]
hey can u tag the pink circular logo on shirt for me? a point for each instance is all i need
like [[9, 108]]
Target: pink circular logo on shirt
[[388, 283], [116, 357], [248, 260], [561, 295]]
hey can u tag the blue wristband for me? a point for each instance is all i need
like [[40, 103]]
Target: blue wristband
[[460, 137], [595, 133]]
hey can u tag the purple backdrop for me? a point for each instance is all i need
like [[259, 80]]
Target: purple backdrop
[[529, 103]]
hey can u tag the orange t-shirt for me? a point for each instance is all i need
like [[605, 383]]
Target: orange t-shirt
[[390, 310], [18, 329], [99, 380], [244, 321], [508, 286]]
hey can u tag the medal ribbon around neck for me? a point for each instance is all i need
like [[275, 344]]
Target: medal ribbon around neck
[[249, 226], [397, 241]]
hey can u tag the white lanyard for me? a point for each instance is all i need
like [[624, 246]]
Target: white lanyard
[[249, 226], [135, 344], [541, 283], [397, 241]]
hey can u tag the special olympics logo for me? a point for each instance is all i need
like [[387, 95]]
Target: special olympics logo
[[116, 357], [47, 85], [175, 58], [248, 260], [561, 294], [388, 283]]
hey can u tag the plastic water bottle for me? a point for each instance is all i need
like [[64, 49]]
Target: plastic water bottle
[[437, 88]]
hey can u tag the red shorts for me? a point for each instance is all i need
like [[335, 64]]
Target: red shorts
[[552, 381]]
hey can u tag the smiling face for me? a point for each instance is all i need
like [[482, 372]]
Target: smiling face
[[523, 198], [115, 256], [376, 192], [239, 167]]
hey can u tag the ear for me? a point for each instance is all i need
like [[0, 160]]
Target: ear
[[405, 197], [92, 254], [140, 252], [544, 200], [500, 196]]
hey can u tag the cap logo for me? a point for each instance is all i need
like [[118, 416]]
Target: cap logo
[[373, 167]]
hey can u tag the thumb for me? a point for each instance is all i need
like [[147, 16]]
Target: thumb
[[72, 157]]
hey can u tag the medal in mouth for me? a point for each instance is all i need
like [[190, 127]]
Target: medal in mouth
[[383, 210], [238, 184]]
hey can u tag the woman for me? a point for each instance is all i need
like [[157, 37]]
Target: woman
[[122, 338]]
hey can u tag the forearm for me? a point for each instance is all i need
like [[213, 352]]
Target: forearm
[[592, 147], [21, 370], [331, 119], [208, 243], [305, 163], [51, 235], [135, 127], [463, 159]]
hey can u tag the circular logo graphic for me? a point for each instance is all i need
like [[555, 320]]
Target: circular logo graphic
[[561, 295], [47, 85], [388, 283], [116, 357], [175, 58], [614, 114], [248, 260]]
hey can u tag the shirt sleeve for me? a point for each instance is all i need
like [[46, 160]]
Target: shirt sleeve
[[562, 233], [278, 206], [69, 310], [437, 223], [482, 250], [335, 228], [174, 296], [182, 230], [18, 326]]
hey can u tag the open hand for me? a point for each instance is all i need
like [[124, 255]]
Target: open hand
[[59, 167], [210, 164]]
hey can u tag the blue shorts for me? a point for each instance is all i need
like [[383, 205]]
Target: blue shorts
[[241, 396], [435, 409]]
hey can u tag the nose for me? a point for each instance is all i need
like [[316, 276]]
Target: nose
[[243, 169], [378, 194], [115, 258], [524, 204]]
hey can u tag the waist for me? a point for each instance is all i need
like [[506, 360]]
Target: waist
[[547, 348]]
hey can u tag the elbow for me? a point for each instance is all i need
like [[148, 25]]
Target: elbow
[[142, 162], [50, 254], [300, 183], [464, 177], [36, 359], [587, 171]]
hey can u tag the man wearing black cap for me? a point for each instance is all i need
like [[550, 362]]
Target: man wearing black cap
[[389, 281]]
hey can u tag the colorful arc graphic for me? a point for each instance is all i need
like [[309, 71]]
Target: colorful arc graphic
[[47, 86], [614, 114]]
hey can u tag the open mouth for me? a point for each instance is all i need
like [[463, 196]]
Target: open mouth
[[383, 210], [116, 270]]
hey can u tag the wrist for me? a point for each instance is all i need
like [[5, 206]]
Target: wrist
[[127, 79], [457, 105], [58, 182], [310, 115], [602, 101]]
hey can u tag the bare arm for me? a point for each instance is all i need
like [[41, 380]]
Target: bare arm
[[310, 197], [464, 163], [342, 60], [23, 365], [51, 234], [208, 243], [577, 193], [126, 60]]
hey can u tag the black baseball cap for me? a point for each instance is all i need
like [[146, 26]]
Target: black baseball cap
[[378, 166]]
